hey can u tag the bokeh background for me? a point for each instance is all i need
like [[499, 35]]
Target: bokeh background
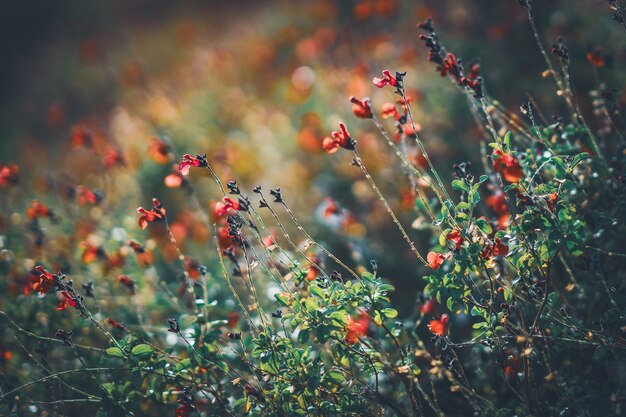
[[257, 85]]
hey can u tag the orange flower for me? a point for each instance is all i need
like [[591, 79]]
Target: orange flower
[[157, 213], [38, 209], [439, 326], [508, 166], [435, 259], [357, 328]]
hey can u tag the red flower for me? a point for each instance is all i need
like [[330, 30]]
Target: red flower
[[341, 138], [450, 65], [189, 161], [435, 259], [159, 151], [455, 236], [144, 257], [428, 307], [500, 248], [127, 282], [551, 200], [389, 79], [67, 300], [312, 273], [9, 175], [91, 253], [357, 328], [85, 195], [45, 282], [113, 157], [390, 110], [233, 319], [331, 208], [222, 207], [38, 209], [439, 326], [361, 108], [157, 213], [596, 58], [508, 166], [114, 323], [184, 409]]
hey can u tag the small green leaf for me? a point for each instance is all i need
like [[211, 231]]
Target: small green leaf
[[142, 351], [390, 312], [336, 377], [460, 185], [484, 226]]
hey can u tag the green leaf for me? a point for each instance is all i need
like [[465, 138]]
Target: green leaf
[[114, 352], [484, 226], [336, 377], [142, 351], [390, 312], [460, 185]]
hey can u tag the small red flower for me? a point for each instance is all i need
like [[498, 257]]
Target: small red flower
[[428, 307], [508, 166], [157, 213], [45, 282], [37, 210], [596, 58], [390, 110], [388, 79], [9, 175], [455, 236], [222, 207], [66, 301], [114, 323], [449, 66], [189, 161], [331, 208], [233, 319], [84, 195], [126, 281], [113, 157], [357, 328], [435, 260], [439, 326], [499, 248], [159, 151], [338, 139], [184, 409], [361, 108], [312, 273], [144, 256]]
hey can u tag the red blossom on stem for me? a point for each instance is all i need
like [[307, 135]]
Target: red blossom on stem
[[506, 164], [189, 161], [45, 282], [222, 207], [388, 79], [357, 328], [361, 108], [439, 326], [157, 213], [66, 301], [435, 260], [338, 139]]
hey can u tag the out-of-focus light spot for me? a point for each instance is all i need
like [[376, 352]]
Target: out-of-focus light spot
[[303, 78]]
